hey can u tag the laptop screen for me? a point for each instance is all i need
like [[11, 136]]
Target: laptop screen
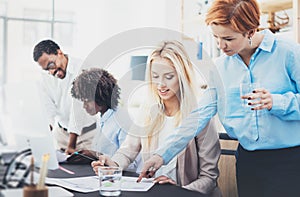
[[41, 145]]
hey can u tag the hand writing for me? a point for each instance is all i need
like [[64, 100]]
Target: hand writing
[[150, 167], [103, 161]]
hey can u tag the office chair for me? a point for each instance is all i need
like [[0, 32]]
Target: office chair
[[227, 178], [17, 170]]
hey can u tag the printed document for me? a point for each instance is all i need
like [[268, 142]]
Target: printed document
[[91, 183]]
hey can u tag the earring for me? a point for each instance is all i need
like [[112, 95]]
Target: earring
[[250, 41]]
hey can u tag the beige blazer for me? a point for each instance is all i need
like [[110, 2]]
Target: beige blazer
[[197, 165]]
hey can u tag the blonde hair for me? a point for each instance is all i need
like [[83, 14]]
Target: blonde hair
[[174, 52], [241, 15]]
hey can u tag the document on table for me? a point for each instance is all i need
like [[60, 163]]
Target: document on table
[[80, 184], [91, 183], [130, 184]]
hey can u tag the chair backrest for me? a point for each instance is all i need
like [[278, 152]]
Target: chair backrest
[[227, 178]]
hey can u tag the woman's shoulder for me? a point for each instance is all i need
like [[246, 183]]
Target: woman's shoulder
[[286, 44], [210, 129]]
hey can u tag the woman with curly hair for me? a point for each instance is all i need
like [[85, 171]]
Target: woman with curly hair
[[100, 93]]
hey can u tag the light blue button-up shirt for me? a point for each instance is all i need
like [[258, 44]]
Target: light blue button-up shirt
[[275, 65], [110, 135]]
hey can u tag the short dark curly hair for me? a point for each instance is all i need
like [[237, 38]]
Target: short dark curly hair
[[97, 85], [45, 46]]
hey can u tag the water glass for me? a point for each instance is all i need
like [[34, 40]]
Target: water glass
[[110, 181], [246, 90]]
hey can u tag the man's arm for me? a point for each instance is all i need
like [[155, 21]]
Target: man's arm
[[72, 143], [47, 99]]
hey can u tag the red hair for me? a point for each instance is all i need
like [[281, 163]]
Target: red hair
[[241, 15]]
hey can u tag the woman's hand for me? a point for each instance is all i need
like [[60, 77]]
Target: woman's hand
[[164, 180], [260, 99], [103, 161], [150, 167]]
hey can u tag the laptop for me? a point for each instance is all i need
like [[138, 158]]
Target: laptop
[[41, 145], [29, 125]]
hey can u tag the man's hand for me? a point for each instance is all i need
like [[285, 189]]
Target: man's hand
[[70, 150], [71, 144], [150, 167], [163, 180]]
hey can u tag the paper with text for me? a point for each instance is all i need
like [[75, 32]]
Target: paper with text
[[91, 183]]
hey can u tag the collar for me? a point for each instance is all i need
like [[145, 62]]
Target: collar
[[268, 41], [106, 115], [70, 65], [266, 44]]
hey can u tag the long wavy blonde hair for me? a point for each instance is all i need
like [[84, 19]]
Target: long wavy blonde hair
[[154, 109]]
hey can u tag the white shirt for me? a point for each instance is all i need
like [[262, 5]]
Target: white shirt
[[59, 104]]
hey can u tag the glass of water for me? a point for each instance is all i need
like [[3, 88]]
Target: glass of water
[[110, 181], [246, 90]]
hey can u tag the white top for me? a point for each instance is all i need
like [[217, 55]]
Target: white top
[[168, 170], [59, 104]]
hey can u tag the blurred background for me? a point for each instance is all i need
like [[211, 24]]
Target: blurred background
[[80, 26]]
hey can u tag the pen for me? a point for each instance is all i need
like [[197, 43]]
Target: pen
[[32, 171], [65, 170], [85, 156]]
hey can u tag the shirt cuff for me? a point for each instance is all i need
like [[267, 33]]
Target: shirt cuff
[[278, 105]]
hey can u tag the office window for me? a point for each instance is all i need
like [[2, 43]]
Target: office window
[[64, 32], [33, 31], [20, 64], [15, 8], [1, 49], [28, 22], [3, 8]]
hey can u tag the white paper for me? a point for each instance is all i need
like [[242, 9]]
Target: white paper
[[91, 183], [80, 184], [130, 184], [53, 192], [61, 156]]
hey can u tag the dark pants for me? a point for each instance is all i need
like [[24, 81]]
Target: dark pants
[[268, 172]]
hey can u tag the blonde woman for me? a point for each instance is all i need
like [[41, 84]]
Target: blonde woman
[[172, 97], [268, 131]]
